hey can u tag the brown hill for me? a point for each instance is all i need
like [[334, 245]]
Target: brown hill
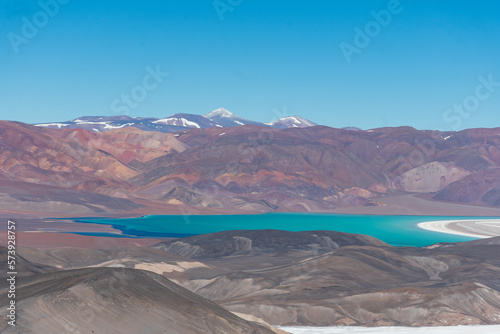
[[481, 187], [111, 300]]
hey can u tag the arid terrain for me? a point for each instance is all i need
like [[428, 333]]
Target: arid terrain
[[252, 168], [114, 300], [243, 281], [318, 278]]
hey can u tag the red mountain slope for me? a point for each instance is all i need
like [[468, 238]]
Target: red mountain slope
[[248, 167]]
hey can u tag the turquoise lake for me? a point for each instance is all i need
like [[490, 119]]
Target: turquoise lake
[[395, 230]]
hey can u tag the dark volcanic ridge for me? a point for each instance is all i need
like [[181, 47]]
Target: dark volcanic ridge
[[255, 242]]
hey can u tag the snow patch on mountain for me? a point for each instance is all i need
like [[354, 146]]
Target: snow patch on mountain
[[59, 125], [79, 121], [178, 122], [109, 126], [220, 118], [291, 122], [227, 119], [221, 112]]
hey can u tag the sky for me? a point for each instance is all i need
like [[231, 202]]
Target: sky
[[422, 63]]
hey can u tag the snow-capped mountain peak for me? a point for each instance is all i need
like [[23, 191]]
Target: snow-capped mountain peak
[[221, 112], [291, 122], [227, 119], [220, 118]]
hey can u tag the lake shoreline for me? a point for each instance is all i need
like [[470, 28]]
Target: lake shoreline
[[398, 231]]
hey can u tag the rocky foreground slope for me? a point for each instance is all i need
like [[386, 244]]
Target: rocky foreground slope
[[113, 300], [318, 278], [245, 168]]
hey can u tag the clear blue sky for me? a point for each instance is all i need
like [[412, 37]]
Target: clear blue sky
[[265, 58]]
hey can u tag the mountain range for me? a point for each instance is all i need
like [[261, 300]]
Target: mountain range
[[221, 118], [218, 167]]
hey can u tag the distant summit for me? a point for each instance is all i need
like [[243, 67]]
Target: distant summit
[[227, 119], [221, 112], [291, 122], [352, 128]]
